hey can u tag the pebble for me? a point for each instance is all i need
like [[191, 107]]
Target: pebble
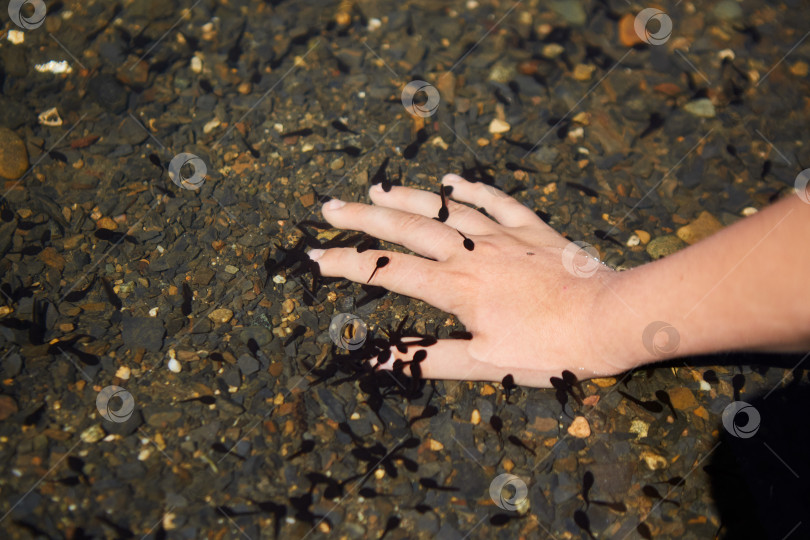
[[702, 107], [627, 30], [640, 428], [663, 246], [143, 332], [231, 269], [8, 407], [93, 434], [221, 315], [705, 225], [107, 223], [633, 241], [580, 428], [475, 417], [570, 10], [287, 306], [749, 211], [13, 155], [644, 236], [174, 365], [583, 72], [654, 461], [123, 373], [247, 364], [728, 10], [337, 164], [436, 445], [682, 398], [499, 126]]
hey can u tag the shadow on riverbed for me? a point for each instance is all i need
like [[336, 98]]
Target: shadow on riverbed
[[760, 471]]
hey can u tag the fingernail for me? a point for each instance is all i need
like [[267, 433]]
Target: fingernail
[[334, 204], [316, 254], [377, 188], [451, 179]]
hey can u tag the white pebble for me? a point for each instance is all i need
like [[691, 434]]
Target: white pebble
[[633, 241], [57, 68], [749, 211], [279, 279], [196, 64], [704, 386], [123, 373], [499, 126], [174, 365], [16, 37], [374, 24], [153, 312], [211, 125]]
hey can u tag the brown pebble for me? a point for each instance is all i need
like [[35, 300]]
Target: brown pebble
[[13, 155], [107, 223], [580, 428], [682, 398], [7, 407], [627, 31]]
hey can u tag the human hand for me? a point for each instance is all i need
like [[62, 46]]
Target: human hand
[[517, 291]]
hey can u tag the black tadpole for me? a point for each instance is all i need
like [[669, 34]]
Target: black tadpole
[[382, 261], [444, 213], [469, 245]]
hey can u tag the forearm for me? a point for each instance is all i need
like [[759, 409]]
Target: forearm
[[744, 288]]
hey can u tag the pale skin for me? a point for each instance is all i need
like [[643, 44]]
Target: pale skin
[[744, 288]]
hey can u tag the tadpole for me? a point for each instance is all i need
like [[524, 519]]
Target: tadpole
[[381, 261], [469, 245]]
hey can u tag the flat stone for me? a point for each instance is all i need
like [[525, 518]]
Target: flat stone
[[13, 155], [702, 107], [261, 335], [247, 364], [146, 332], [664, 245], [570, 10], [682, 398], [221, 315], [704, 226]]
